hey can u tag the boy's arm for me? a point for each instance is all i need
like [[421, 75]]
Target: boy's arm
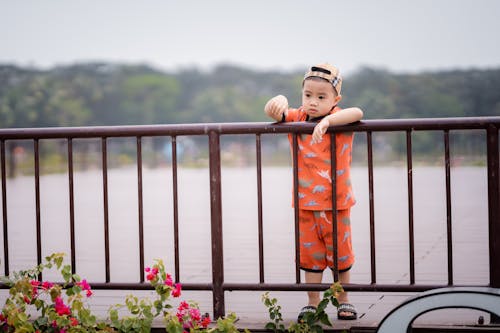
[[342, 117], [276, 107]]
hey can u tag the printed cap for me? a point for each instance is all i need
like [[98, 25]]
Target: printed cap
[[327, 72]]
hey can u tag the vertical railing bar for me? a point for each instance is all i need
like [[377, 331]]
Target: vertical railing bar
[[140, 209], [175, 208], [371, 200], [449, 235], [333, 162], [258, 152], [493, 209], [71, 205], [4, 210], [493, 205], [216, 225], [37, 205], [296, 204], [410, 205], [104, 151]]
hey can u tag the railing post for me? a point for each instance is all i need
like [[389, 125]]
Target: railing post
[[295, 164], [333, 168], [493, 205], [36, 151], [4, 209], [71, 191], [216, 225], [411, 236], [493, 209]]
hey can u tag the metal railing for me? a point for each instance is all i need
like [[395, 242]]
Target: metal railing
[[214, 131]]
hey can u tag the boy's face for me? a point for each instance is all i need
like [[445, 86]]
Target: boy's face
[[318, 97]]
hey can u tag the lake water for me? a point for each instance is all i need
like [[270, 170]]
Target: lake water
[[239, 194]]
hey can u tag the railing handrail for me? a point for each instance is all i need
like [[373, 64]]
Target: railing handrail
[[243, 128]]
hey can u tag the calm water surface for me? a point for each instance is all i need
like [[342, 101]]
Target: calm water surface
[[239, 194]]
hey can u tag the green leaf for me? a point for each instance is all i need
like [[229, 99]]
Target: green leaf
[[173, 326], [271, 326], [309, 317], [316, 329], [59, 261], [113, 315], [39, 304], [322, 305], [66, 273], [335, 302], [158, 305], [40, 321], [70, 292], [323, 318]]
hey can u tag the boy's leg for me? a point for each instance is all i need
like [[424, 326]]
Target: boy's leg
[[312, 252], [313, 296], [345, 256], [344, 277]]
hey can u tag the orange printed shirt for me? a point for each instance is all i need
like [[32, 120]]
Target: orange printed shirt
[[314, 167]]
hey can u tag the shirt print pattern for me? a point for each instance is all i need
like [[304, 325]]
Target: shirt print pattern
[[314, 167]]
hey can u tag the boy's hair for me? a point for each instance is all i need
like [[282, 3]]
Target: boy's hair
[[327, 72]]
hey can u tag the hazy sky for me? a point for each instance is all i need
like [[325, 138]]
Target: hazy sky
[[397, 35]]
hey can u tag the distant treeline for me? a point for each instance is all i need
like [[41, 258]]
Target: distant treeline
[[111, 94]]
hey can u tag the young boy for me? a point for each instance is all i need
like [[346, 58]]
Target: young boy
[[321, 89]]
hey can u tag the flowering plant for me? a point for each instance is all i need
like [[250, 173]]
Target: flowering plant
[[143, 312], [43, 306], [311, 322], [36, 306], [60, 308]]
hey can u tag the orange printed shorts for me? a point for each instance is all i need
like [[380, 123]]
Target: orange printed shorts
[[316, 240]]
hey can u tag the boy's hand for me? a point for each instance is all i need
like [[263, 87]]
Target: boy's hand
[[320, 130], [276, 106]]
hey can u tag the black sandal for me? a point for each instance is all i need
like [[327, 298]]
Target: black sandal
[[304, 310], [347, 307]]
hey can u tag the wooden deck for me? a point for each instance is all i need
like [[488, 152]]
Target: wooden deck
[[252, 314]]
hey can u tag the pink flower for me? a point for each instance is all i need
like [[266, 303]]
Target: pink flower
[[195, 314], [176, 292], [206, 321], [85, 286], [182, 311], [168, 280], [60, 307], [147, 269], [180, 316], [152, 273], [74, 321], [183, 306], [34, 285], [47, 285]]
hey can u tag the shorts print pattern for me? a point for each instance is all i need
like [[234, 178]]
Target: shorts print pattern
[[316, 240]]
